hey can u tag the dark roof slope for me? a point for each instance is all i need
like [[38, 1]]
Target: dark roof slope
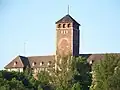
[[68, 19], [25, 61], [41, 59]]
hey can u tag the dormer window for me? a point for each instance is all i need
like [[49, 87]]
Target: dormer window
[[34, 63], [63, 25], [41, 63], [59, 26], [91, 62], [15, 63], [49, 63]]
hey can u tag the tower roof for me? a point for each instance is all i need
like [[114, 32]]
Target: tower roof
[[68, 19]]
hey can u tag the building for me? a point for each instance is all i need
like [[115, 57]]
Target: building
[[67, 42]]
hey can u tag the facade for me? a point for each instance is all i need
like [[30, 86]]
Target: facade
[[67, 42]]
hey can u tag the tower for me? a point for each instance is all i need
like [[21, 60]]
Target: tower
[[67, 35]]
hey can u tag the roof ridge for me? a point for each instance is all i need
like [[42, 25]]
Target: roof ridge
[[102, 53], [41, 56], [67, 18]]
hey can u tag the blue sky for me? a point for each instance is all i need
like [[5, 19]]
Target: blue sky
[[33, 22]]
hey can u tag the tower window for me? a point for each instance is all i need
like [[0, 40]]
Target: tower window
[[59, 25], [66, 31], [68, 25], [61, 32], [63, 25]]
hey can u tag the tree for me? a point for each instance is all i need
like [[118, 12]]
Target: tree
[[81, 73], [76, 86], [71, 70], [106, 73], [62, 75], [16, 85]]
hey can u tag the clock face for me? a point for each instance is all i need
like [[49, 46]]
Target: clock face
[[63, 46]]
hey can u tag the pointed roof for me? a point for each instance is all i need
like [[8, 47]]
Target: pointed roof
[[20, 62], [67, 18]]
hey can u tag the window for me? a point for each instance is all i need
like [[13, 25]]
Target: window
[[41, 63], [34, 63], [61, 32], [66, 31], [49, 62], [59, 26], [15, 63], [91, 62], [63, 25], [68, 25]]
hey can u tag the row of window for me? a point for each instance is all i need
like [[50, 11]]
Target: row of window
[[63, 25], [34, 63], [63, 31], [42, 63]]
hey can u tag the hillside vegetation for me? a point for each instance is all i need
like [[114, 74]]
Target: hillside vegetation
[[70, 74]]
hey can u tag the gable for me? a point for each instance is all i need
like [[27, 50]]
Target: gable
[[15, 63]]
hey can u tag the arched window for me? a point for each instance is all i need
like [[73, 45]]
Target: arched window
[[68, 25], [63, 25], [59, 26]]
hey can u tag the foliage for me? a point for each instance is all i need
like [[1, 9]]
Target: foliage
[[70, 73], [76, 86], [70, 70], [82, 74], [106, 73]]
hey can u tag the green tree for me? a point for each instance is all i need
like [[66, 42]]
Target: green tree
[[81, 72], [61, 76], [71, 70], [106, 73], [76, 86], [16, 85]]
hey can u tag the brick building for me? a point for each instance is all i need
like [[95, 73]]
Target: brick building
[[67, 42]]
